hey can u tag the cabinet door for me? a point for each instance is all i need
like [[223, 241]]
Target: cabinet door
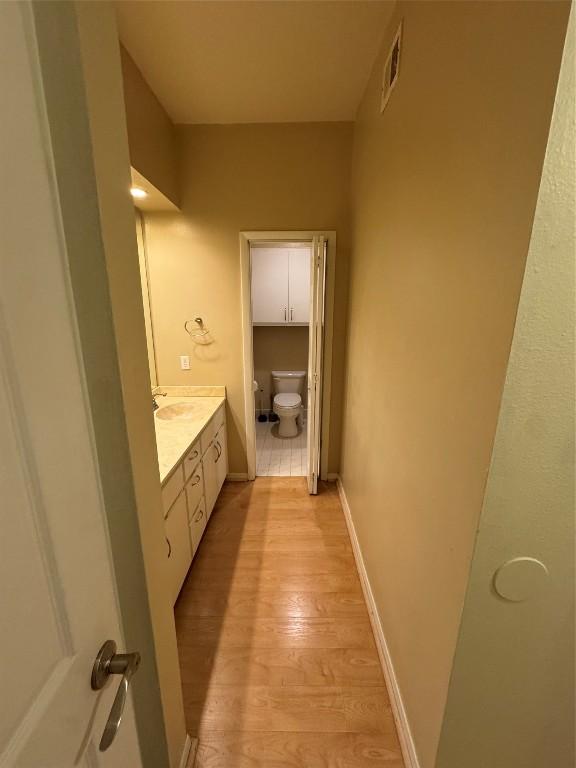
[[195, 488], [222, 460], [299, 285], [179, 550], [198, 520], [209, 464], [269, 285]]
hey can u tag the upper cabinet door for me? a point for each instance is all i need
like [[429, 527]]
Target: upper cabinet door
[[270, 285], [299, 285]]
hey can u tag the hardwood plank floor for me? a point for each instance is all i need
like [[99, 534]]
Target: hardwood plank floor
[[279, 665]]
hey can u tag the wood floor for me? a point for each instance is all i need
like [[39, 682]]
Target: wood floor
[[279, 665]]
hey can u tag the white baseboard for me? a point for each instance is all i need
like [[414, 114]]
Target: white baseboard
[[237, 477], [398, 710], [189, 752]]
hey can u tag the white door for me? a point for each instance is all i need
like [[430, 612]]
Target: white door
[[269, 285], [299, 285], [315, 351], [58, 599]]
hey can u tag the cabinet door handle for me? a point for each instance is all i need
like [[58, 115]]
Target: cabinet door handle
[[169, 546], [291, 313], [199, 516], [218, 451], [191, 458], [285, 315], [197, 479]]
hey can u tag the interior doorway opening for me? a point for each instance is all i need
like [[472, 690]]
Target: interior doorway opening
[[280, 294], [283, 293]]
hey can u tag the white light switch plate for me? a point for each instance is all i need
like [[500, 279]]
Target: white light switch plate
[[185, 362]]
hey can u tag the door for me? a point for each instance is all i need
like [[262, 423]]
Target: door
[[315, 352], [299, 285], [59, 601], [269, 285]]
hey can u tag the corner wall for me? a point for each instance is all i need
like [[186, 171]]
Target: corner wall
[[444, 190], [278, 348], [137, 473], [529, 508], [151, 133], [237, 178]]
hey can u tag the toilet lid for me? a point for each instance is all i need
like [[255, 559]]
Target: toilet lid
[[287, 399]]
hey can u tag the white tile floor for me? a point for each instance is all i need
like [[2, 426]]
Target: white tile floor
[[280, 457]]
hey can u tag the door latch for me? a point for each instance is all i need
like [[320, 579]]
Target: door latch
[[108, 663]]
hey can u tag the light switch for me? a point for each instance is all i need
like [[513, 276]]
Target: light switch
[[185, 362]]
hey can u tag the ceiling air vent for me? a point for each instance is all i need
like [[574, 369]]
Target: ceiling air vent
[[391, 68]]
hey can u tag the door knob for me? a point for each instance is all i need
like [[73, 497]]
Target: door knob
[[107, 663]]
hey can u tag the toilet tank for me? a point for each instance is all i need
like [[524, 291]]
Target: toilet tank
[[288, 381]]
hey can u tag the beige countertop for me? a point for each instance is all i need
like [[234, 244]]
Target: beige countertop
[[174, 437]]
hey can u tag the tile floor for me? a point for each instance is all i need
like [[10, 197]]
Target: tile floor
[[280, 457]]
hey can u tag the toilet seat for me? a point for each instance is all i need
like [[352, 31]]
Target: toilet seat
[[287, 400]]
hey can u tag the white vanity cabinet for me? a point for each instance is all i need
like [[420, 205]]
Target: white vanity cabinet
[[189, 496], [178, 544], [280, 286], [215, 462]]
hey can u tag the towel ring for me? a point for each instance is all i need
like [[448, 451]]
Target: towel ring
[[199, 333], [197, 320]]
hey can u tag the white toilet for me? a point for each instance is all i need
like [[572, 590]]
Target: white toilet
[[288, 386]]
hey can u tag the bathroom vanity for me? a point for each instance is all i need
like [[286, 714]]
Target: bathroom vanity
[[193, 461]]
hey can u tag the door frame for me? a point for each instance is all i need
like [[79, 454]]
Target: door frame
[[284, 236], [80, 99]]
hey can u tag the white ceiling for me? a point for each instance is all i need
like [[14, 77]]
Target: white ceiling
[[255, 61]]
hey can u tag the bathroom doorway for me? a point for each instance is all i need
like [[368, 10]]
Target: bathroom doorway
[[285, 322]]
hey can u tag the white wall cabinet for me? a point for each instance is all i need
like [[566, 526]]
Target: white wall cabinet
[[280, 286], [299, 285], [189, 496]]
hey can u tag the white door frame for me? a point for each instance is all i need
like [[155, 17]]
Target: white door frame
[[317, 269], [246, 238], [55, 91], [58, 560]]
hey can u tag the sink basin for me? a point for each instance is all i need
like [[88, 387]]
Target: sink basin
[[179, 412]]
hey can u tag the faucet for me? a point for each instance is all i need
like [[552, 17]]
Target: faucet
[[155, 405]]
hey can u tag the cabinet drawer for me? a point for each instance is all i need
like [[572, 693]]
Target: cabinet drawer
[[198, 520], [172, 488], [191, 459], [195, 489], [212, 428], [179, 549]]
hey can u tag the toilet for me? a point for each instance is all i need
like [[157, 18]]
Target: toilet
[[288, 387]]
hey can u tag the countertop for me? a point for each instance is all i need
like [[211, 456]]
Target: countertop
[[173, 437]]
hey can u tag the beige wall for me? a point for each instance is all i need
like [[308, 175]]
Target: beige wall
[[444, 190], [278, 349], [528, 508], [140, 477], [235, 178], [151, 134]]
